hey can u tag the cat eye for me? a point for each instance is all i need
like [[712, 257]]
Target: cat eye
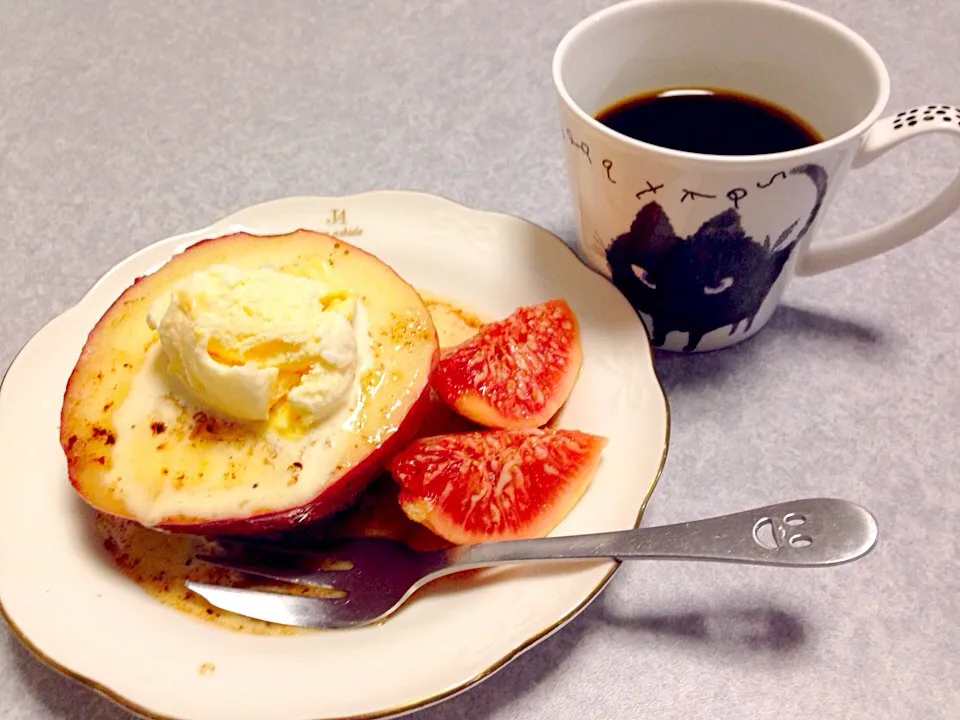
[[642, 276], [724, 285]]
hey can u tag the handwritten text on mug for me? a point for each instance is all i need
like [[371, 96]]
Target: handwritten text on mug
[[734, 195]]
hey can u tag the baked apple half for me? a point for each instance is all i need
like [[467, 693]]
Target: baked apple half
[[251, 384]]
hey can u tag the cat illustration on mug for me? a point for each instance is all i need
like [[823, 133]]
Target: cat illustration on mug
[[718, 276]]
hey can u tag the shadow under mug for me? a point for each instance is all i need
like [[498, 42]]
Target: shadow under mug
[[704, 245]]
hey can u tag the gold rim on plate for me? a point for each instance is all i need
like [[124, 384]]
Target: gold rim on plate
[[423, 703]]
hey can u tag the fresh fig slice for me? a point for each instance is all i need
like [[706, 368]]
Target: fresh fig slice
[[514, 373], [495, 485]]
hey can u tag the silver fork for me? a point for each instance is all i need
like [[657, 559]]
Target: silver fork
[[376, 576]]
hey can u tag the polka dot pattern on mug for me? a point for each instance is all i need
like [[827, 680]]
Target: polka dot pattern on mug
[[927, 114]]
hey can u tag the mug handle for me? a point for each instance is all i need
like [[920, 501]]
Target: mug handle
[[885, 135]]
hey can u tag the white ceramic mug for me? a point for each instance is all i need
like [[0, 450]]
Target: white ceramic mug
[[704, 245]]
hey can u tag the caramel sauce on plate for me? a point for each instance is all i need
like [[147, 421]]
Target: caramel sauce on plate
[[161, 563]]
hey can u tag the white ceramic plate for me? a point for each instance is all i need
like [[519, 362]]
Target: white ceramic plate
[[86, 619]]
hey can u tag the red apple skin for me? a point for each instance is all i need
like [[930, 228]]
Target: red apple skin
[[340, 492]]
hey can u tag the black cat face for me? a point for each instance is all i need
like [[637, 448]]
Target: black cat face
[[708, 263], [716, 277]]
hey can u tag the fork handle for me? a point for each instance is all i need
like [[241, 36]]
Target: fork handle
[[814, 532]]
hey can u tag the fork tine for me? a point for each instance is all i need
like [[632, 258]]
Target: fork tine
[[309, 612], [244, 544], [335, 549], [290, 573], [328, 554]]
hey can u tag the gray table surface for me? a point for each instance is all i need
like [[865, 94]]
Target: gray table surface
[[123, 123]]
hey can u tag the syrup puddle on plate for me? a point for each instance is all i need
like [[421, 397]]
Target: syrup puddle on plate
[[161, 563]]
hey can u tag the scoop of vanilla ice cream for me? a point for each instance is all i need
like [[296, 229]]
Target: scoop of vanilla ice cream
[[240, 339]]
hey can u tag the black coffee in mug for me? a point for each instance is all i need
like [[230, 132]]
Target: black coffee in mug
[[710, 121], [704, 245]]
